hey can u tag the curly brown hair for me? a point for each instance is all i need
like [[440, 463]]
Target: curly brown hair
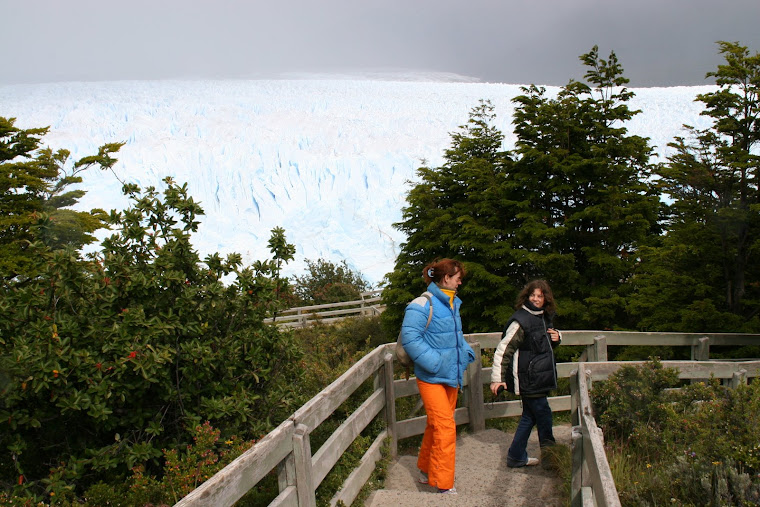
[[543, 286]]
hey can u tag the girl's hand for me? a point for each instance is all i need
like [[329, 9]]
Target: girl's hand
[[495, 387], [553, 334]]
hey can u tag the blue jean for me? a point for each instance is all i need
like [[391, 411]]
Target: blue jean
[[536, 412]]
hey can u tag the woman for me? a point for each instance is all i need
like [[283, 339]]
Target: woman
[[440, 356], [524, 364]]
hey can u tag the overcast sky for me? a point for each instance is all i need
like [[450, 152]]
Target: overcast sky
[[658, 42]]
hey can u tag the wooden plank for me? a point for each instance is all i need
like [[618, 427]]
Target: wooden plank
[[287, 498], [359, 476], [324, 306], [324, 404], [405, 388], [411, 427], [511, 408], [576, 481], [286, 472], [475, 392], [331, 451], [605, 493], [302, 453], [416, 426], [235, 480], [587, 497], [563, 371], [461, 416], [321, 315], [390, 404], [687, 369], [583, 337]]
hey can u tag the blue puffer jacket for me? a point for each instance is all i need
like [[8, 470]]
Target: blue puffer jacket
[[440, 353]]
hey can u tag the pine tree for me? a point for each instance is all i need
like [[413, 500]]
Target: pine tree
[[459, 211], [580, 181], [713, 181]]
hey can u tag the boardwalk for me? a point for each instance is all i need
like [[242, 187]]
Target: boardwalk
[[482, 479]]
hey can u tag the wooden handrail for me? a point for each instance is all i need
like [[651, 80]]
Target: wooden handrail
[[302, 316], [288, 450]]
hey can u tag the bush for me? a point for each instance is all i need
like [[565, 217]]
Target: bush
[[111, 359], [691, 446]]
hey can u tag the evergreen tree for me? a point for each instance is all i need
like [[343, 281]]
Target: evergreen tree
[[713, 222], [460, 210], [581, 195], [35, 197]]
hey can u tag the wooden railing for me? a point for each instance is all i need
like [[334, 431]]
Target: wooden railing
[[287, 449], [303, 316]]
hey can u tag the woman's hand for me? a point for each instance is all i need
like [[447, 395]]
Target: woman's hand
[[553, 334], [495, 387]]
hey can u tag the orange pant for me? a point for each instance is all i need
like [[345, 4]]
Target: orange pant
[[437, 455]]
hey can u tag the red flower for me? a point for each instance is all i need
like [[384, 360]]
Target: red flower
[[132, 354], [98, 366]]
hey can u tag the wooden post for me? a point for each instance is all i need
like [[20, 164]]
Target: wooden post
[[476, 404], [739, 377], [600, 348], [576, 482], [302, 454], [574, 398], [390, 403], [286, 473], [701, 351]]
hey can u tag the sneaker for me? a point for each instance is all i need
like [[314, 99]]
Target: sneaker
[[519, 464], [423, 478], [452, 491]]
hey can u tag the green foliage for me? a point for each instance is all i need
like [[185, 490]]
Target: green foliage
[[111, 359], [570, 205], [684, 446], [705, 274], [183, 472], [459, 210], [330, 350], [326, 282], [35, 195], [633, 400], [581, 197]]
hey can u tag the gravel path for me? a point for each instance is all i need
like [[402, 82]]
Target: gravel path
[[482, 477]]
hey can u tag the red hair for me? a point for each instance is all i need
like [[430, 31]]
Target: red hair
[[436, 270]]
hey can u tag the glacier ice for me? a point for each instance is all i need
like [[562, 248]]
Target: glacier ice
[[328, 160]]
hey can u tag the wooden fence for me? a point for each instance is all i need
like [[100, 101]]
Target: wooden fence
[[303, 316], [287, 449]]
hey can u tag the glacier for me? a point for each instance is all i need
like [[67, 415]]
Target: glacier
[[330, 160]]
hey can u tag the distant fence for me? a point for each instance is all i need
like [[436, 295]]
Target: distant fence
[[287, 449], [303, 316]]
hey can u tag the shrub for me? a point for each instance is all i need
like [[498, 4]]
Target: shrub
[[690, 446], [110, 359]]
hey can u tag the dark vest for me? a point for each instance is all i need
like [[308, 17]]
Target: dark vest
[[536, 371]]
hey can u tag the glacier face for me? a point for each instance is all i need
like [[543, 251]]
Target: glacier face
[[328, 160]]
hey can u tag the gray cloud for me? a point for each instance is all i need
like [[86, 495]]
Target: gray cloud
[[659, 43]]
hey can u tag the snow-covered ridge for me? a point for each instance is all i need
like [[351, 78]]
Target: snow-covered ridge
[[328, 160]]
